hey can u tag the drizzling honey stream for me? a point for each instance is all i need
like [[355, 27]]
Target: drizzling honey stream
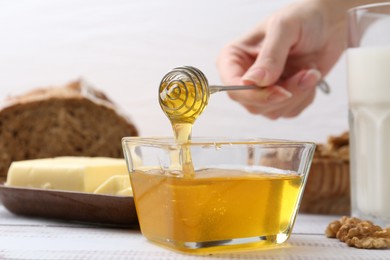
[[183, 95]]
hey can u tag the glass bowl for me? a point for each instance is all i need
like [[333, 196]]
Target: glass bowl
[[217, 194]]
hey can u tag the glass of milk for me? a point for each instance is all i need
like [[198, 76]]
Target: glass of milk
[[368, 69]]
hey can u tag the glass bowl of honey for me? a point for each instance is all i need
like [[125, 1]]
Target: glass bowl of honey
[[211, 195]]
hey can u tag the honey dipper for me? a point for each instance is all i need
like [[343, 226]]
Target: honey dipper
[[184, 93]]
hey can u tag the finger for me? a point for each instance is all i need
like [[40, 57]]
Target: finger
[[288, 91], [302, 82], [268, 67], [228, 65], [299, 107], [236, 58], [302, 88], [261, 97]]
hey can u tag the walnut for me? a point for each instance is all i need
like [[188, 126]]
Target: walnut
[[332, 229], [336, 147], [342, 234], [370, 242], [344, 152], [349, 220], [359, 233], [336, 142], [385, 233]]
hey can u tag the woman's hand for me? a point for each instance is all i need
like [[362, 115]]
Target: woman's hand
[[289, 53]]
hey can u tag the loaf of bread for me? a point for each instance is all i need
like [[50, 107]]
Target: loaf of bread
[[73, 120]]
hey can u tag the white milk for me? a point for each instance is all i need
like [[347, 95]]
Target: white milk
[[369, 99]]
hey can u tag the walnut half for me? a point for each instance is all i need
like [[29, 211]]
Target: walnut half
[[359, 233]]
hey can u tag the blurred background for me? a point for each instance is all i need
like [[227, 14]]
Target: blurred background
[[124, 48]]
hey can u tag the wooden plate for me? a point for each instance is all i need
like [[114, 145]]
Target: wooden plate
[[73, 206]]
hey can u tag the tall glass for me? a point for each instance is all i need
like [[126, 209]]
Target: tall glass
[[368, 60]]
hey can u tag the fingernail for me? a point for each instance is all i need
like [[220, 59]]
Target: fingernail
[[279, 96], [255, 75], [310, 79]]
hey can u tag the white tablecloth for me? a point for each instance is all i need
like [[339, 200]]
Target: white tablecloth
[[29, 238]]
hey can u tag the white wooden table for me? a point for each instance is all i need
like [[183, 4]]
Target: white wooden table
[[28, 238]]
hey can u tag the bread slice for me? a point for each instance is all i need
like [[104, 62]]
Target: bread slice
[[73, 120]]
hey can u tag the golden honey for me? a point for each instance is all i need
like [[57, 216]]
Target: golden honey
[[215, 206], [183, 97]]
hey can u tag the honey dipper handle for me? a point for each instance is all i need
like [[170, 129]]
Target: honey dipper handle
[[322, 85], [213, 88]]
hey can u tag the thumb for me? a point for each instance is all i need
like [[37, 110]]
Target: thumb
[[270, 62]]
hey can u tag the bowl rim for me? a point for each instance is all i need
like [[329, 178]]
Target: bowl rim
[[208, 140]]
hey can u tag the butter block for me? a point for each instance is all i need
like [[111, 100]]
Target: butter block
[[82, 174], [118, 185]]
